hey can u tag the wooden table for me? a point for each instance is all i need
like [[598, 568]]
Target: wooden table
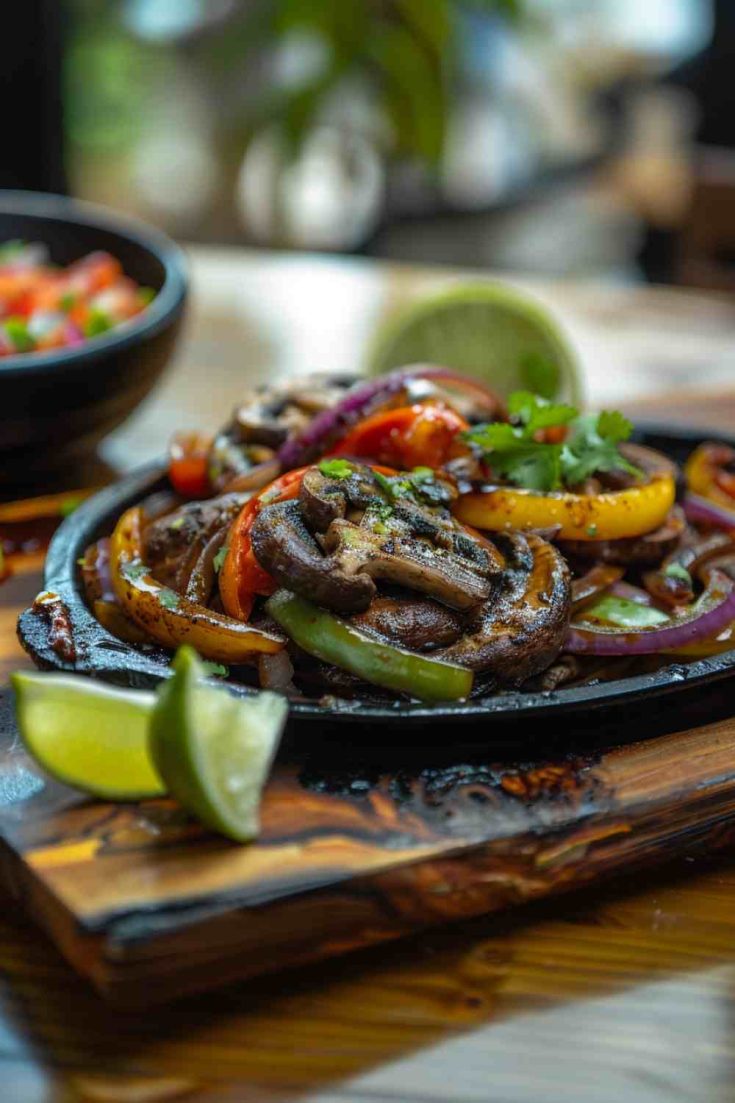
[[625, 993]]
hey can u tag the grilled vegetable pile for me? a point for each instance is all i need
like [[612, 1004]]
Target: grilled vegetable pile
[[415, 536]]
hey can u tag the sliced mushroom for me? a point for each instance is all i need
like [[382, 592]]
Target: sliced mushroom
[[174, 543], [284, 546], [399, 557], [520, 630], [361, 536], [245, 448], [413, 622]]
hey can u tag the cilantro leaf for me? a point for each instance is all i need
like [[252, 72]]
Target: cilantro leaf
[[495, 437], [534, 466], [169, 599], [536, 413], [591, 445], [219, 560], [336, 469], [613, 426]]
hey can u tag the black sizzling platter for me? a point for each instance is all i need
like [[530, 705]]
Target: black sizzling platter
[[103, 656]]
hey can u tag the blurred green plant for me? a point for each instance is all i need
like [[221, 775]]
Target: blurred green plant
[[402, 52]]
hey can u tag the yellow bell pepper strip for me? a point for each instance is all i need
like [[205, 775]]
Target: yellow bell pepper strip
[[612, 515], [706, 474], [333, 640], [168, 617]]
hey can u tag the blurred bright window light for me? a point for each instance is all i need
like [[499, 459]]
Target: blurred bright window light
[[167, 20], [670, 27]]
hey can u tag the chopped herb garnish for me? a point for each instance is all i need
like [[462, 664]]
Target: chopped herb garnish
[[97, 323], [592, 530], [386, 486], [336, 469], [177, 524], [17, 331], [214, 670], [219, 560], [134, 571], [593, 446], [515, 452], [675, 570], [169, 599], [534, 413]]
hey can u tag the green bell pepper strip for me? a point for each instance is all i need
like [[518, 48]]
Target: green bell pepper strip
[[333, 640], [624, 613]]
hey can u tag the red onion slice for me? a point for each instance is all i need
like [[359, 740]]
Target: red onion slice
[[331, 424], [701, 511], [712, 613]]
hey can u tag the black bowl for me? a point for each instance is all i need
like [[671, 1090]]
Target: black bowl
[[101, 655], [58, 403]]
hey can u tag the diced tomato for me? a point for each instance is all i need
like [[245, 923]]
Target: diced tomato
[[94, 272], [554, 434], [187, 470], [93, 294]]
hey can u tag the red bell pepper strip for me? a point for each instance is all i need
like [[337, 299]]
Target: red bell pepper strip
[[241, 576], [423, 435]]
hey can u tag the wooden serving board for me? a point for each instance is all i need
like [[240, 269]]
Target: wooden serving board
[[149, 906]]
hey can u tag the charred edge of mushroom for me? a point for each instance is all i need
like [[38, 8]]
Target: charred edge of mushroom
[[285, 547], [518, 634]]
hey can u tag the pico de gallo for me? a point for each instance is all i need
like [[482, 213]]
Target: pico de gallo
[[44, 306]]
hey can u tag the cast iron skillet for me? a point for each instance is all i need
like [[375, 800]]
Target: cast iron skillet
[[103, 656]]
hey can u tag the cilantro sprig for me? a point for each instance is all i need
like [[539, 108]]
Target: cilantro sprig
[[336, 469], [518, 451]]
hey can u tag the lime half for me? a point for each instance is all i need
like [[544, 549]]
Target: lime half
[[214, 750], [88, 735], [488, 331]]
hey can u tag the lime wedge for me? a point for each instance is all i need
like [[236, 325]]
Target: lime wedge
[[88, 735], [214, 750], [485, 330]]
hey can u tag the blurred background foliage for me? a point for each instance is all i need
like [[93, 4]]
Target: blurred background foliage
[[508, 133]]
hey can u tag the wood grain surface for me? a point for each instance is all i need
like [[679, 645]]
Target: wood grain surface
[[348, 856], [625, 992]]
